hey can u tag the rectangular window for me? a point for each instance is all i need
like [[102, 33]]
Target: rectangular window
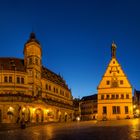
[[122, 96], [113, 96], [18, 80], [114, 110], [102, 97], [49, 88], [107, 96], [126, 109], [121, 82], [54, 89], [104, 110], [108, 82], [22, 80], [5, 79], [118, 110], [127, 96], [10, 79], [117, 96], [46, 87]]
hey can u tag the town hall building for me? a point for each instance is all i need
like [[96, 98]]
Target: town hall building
[[30, 91]]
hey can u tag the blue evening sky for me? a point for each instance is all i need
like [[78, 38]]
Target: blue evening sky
[[76, 36]]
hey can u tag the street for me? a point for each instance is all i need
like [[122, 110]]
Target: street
[[89, 130]]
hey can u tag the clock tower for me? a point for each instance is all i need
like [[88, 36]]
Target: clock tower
[[33, 64]]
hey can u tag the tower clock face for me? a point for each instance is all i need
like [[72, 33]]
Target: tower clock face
[[114, 81]]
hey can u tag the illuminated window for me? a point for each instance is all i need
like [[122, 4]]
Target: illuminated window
[[10, 79], [5, 79]]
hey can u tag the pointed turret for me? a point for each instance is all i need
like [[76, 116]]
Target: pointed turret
[[32, 38]]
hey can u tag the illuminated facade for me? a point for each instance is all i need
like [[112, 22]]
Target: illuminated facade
[[31, 91], [114, 92], [88, 106]]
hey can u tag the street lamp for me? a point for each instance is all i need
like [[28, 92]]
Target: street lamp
[[134, 106]]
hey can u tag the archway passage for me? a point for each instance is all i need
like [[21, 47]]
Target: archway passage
[[25, 113], [39, 115]]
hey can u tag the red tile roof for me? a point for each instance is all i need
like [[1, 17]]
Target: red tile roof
[[16, 64]]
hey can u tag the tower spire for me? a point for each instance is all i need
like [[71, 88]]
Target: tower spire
[[113, 50]]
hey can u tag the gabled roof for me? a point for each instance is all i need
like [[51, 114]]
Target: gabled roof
[[51, 76], [91, 97], [137, 92]]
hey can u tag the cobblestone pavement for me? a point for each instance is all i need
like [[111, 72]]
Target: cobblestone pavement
[[90, 130]]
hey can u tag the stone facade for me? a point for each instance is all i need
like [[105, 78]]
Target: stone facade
[[114, 92], [31, 91]]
